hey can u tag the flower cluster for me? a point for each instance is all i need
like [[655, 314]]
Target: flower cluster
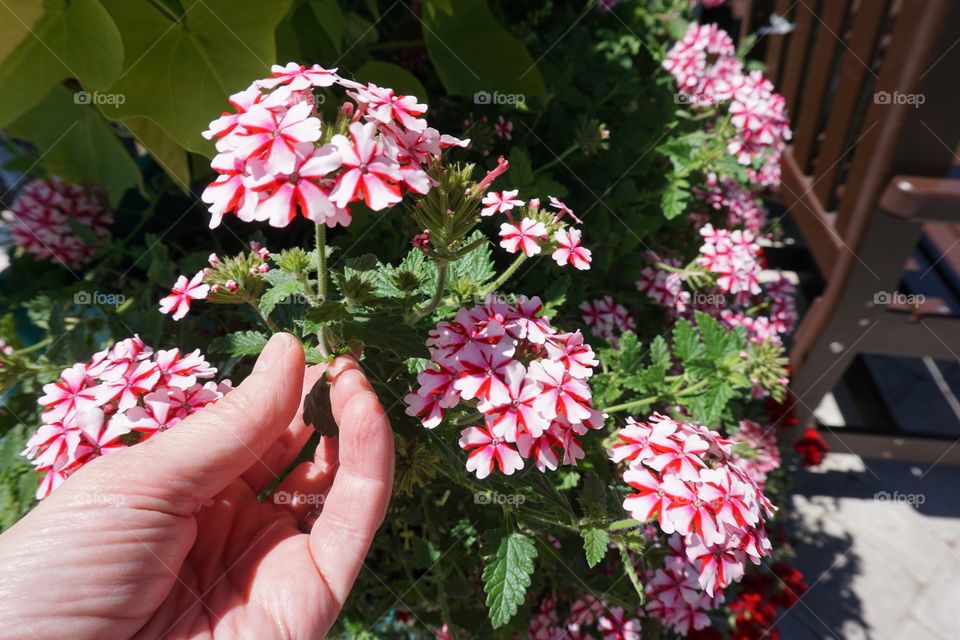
[[741, 207], [734, 257], [277, 156], [675, 595], [528, 381], [42, 216], [686, 477], [535, 226], [587, 618], [606, 318], [708, 73], [762, 456], [222, 281], [811, 447], [124, 395]]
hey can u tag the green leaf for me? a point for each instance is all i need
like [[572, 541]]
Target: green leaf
[[507, 576], [521, 169], [714, 335], [386, 74], [330, 16], [595, 544], [593, 497], [686, 342], [327, 312], [169, 155], [77, 143], [180, 73], [388, 334], [241, 343], [708, 407], [75, 39], [279, 293], [675, 198], [629, 351], [660, 353], [471, 52]]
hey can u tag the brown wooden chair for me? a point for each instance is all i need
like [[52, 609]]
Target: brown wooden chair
[[873, 90]]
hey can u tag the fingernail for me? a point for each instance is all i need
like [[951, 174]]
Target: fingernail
[[272, 353]]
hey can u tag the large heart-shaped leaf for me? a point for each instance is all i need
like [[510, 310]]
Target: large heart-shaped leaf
[[77, 143], [472, 53], [169, 155], [180, 73], [76, 39]]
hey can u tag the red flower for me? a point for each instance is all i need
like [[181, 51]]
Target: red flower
[[811, 448]]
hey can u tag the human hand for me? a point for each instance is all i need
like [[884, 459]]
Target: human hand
[[166, 539]]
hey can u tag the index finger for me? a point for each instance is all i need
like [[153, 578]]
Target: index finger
[[357, 502]]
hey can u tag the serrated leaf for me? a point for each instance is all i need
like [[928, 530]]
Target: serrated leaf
[[329, 311], [595, 544], [686, 342], [506, 577], [388, 334], [277, 294], [629, 351], [708, 407], [241, 343], [592, 498], [659, 353], [714, 335], [521, 169]]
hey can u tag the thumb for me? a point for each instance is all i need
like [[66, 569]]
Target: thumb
[[203, 454]]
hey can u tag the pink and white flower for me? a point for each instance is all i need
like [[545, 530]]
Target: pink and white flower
[[570, 251], [488, 451], [525, 236], [500, 202], [183, 294]]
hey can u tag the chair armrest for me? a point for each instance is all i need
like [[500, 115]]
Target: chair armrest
[[922, 199]]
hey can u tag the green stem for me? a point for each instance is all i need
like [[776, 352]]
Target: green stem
[[558, 159], [321, 238], [33, 347], [431, 306], [323, 344], [643, 402], [626, 406], [496, 284], [267, 321], [692, 389]]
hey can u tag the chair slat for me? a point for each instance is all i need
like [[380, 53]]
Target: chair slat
[[776, 43], [898, 141], [804, 27], [850, 80], [827, 42]]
